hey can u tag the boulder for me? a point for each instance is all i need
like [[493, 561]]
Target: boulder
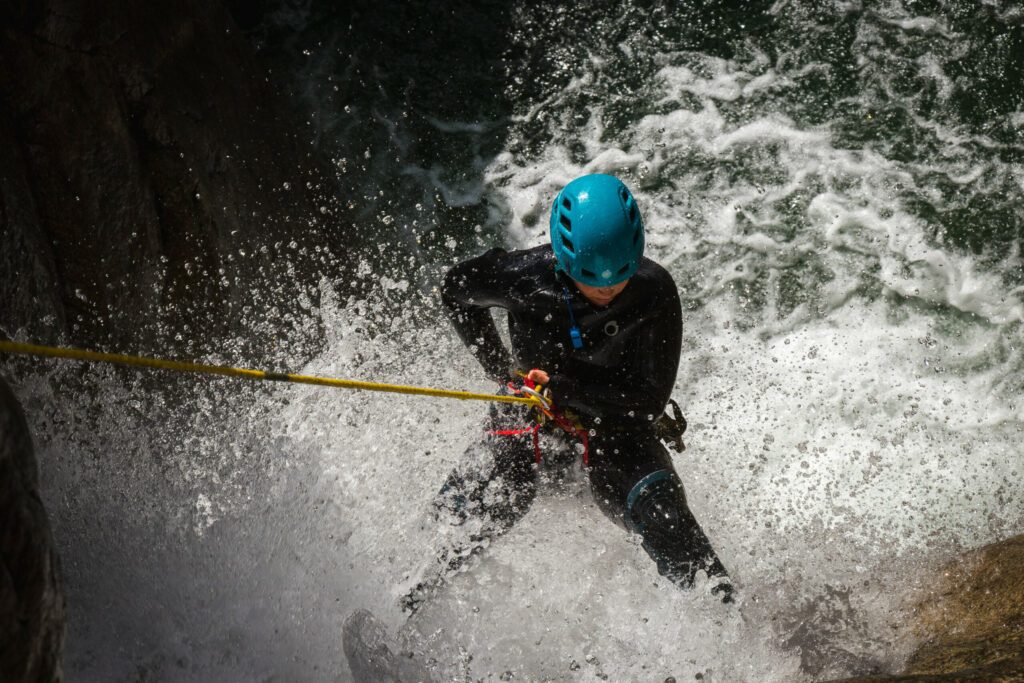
[[972, 624], [32, 607]]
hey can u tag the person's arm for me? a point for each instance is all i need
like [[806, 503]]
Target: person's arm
[[470, 289], [657, 348]]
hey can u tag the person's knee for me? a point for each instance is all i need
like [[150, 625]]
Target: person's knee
[[656, 502], [656, 510]]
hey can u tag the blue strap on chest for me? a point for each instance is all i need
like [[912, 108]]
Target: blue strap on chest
[[574, 329]]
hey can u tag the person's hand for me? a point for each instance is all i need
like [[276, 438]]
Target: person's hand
[[538, 376]]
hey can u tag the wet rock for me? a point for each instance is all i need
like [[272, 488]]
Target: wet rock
[[143, 155], [32, 608], [973, 624], [370, 653]]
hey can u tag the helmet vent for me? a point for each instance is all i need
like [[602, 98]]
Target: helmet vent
[[568, 244], [564, 220], [586, 273], [566, 203], [623, 269], [636, 236], [624, 194], [632, 212]]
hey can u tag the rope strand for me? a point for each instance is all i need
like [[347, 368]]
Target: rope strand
[[246, 373]]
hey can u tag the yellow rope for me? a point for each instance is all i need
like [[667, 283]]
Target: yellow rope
[[245, 373]]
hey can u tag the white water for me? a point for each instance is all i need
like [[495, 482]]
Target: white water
[[852, 388]]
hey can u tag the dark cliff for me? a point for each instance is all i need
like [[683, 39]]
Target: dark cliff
[[154, 196], [32, 606], [151, 178]]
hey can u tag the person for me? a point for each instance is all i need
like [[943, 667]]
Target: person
[[599, 327]]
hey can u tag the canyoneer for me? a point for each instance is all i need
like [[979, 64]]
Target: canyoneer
[[596, 329]]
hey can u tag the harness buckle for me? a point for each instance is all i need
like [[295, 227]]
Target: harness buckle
[[670, 428]]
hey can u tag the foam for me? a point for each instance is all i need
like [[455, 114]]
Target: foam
[[871, 421]]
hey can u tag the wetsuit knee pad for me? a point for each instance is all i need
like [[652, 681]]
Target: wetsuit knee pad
[[654, 503], [656, 510]]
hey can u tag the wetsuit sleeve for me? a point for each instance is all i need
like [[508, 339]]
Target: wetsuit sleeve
[[470, 289], [645, 394]]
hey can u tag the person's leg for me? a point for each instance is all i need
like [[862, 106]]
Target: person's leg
[[488, 492], [635, 484]]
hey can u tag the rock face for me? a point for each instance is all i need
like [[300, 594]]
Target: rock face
[[150, 175], [974, 623], [979, 617], [32, 610], [373, 656], [152, 183]]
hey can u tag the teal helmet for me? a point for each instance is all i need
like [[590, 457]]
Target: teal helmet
[[596, 230]]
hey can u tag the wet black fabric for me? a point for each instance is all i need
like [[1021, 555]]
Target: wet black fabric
[[497, 482], [625, 371], [617, 383]]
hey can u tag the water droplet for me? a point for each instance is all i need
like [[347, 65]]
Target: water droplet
[[287, 186], [597, 420]]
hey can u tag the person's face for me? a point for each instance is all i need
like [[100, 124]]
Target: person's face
[[601, 296]]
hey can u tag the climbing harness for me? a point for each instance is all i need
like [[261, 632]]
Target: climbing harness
[[245, 373], [533, 431], [546, 412], [669, 427]]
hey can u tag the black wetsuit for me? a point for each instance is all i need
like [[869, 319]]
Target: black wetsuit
[[617, 383]]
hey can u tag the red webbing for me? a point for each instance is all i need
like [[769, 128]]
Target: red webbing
[[559, 419]]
